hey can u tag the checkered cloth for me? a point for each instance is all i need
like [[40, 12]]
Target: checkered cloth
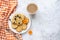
[[6, 8], [5, 35]]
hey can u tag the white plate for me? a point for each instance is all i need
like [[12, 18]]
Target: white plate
[[28, 26]]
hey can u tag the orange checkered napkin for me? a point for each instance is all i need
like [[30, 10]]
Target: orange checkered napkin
[[6, 9], [5, 35]]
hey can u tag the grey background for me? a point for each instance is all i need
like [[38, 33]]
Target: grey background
[[46, 22]]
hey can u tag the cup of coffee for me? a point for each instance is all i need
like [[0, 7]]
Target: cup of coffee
[[32, 8]]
